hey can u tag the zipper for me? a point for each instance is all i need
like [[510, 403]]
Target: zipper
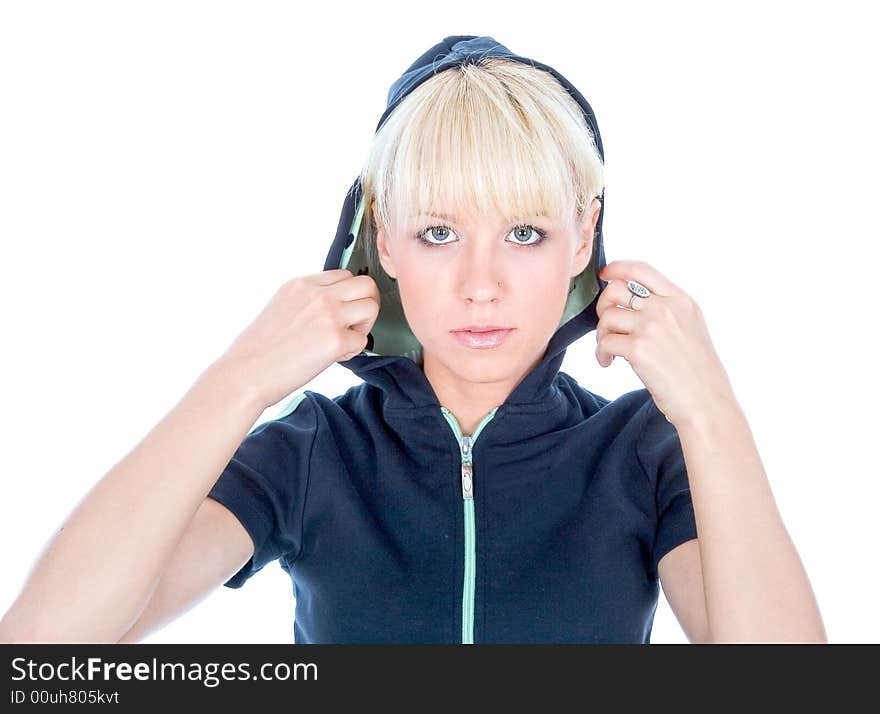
[[465, 445]]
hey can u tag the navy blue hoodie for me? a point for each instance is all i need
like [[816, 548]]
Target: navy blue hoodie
[[543, 526]]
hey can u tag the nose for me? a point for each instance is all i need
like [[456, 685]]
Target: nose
[[495, 297], [481, 281]]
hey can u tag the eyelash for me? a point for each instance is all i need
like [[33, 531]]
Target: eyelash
[[420, 236]]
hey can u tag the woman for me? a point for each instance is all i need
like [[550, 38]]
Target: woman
[[466, 490]]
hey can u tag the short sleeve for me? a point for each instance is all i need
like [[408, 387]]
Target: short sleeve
[[265, 484], [662, 459]]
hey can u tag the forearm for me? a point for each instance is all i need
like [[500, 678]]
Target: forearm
[[99, 570], [755, 585]]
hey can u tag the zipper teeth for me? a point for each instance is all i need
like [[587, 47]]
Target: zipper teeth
[[465, 444], [467, 620]]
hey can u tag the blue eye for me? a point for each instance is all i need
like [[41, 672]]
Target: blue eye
[[430, 229], [542, 235]]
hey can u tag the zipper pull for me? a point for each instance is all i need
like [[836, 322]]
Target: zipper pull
[[467, 470]]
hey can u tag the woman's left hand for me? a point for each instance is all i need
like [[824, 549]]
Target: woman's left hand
[[663, 337]]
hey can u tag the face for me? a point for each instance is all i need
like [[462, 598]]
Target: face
[[460, 270]]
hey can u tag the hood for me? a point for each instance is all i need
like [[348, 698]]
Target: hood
[[392, 358]]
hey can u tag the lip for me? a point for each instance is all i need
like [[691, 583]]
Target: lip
[[482, 327], [485, 339]]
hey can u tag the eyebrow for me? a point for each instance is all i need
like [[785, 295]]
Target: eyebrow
[[449, 217], [444, 216]]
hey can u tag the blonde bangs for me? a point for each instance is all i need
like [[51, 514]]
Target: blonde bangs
[[496, 136]]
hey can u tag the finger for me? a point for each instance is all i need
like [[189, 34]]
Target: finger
[[615, 321], [357, 287], [329, 277], [618, 319], [360, 315], [641, 272], [617, 293], [613, 345]]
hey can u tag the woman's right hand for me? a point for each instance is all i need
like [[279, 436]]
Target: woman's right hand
[[311, 322]]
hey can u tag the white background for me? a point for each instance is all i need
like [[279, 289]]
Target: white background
[[165, 166]]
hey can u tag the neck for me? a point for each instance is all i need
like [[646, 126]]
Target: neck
[[470, 402]]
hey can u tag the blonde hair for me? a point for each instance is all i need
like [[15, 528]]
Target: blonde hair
[[492, 134]]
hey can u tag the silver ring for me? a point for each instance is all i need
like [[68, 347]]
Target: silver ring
[[637, 290]]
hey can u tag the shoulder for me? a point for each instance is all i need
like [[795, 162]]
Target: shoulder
[[307, 404], [633, 407], [345, 421], [354, 404]]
